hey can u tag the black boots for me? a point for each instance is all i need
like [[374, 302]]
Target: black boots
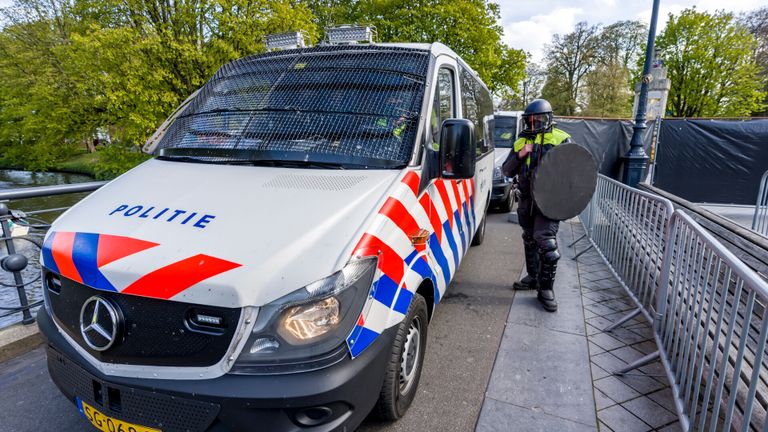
[[541, 265], [546, 294], [548, 257], [526, 283], [531, 265]]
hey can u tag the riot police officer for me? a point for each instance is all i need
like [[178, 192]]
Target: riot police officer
[[538, 136]]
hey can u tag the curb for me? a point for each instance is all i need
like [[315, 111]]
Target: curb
[[19, 339]]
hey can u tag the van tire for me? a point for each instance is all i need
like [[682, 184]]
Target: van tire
[[394, 402], [477, 240]]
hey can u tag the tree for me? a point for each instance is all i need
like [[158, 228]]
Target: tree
[[570, 58], [711, 65], [621, 43], [469, 27], [557, 90], [757, 23], [72, 68], [608, 93], [75, 70], [607, 86], [529, 89]]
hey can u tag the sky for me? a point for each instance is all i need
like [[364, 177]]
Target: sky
[[529, 25]]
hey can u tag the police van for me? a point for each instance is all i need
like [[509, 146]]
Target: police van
[[275, 265], [506, 127]]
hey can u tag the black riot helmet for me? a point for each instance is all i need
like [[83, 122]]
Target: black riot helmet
[[537, 117]]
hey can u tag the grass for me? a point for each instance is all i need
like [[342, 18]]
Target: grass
[[104, 164], [83, 163], [80, 163]]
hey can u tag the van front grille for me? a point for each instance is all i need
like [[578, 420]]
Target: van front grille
[[154, 332]]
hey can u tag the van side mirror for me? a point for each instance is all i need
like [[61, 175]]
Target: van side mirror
[[457, 149]]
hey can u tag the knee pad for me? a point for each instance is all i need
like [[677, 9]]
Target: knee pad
[[548, 250], [528, 237]]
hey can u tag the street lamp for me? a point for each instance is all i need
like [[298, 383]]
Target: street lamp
[[635, 161]]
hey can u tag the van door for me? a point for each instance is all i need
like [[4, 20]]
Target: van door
[[478, 108], [443, 198]]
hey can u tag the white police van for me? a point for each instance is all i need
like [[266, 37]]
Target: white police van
[[275, 265], [506, 127]]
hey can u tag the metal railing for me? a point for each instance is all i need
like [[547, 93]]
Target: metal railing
[[14, 262], [708, 308], [627, 228], [712, 328], [760, 219]]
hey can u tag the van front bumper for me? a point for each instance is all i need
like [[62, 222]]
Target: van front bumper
[[336, 398], [500, 192]]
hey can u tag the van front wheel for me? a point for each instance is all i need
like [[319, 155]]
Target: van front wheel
[[477, 240], [401, 378]]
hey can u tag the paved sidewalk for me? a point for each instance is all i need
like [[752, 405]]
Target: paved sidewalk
[[554, 371]]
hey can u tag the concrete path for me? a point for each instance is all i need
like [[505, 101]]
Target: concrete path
[[554, 371], [464, 336], [495, 360]]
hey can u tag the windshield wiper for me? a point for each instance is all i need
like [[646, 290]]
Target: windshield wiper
[[298, 164], [275, 158]]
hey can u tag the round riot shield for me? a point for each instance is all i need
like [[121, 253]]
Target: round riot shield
[[564, 181]]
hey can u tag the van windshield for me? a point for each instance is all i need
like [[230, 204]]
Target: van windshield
[[505, 131], [347, 105]]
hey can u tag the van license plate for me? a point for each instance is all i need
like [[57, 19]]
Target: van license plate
[[108, 424]]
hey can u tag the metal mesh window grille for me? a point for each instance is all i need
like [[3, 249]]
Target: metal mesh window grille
[[360, 102]]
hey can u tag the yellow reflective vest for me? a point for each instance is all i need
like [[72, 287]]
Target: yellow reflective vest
[[553, 138]]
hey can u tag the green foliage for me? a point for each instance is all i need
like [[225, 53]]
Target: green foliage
[[72, 71], [469, 27], [558, 91], [710, 63], [608, 92], [569, 58], [115, 160], [76, 71]]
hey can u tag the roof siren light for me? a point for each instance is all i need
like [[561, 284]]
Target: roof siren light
[[287, 40], [349, 34]]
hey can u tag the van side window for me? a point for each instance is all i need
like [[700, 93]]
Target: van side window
[[469, 104], [442, 104], [485, 111]]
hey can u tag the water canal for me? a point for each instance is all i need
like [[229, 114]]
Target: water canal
[[27, 244]]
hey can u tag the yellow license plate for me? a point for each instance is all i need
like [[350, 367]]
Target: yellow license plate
[[108, 424]]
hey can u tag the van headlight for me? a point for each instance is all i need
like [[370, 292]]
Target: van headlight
[[307, 329], [497, 174]]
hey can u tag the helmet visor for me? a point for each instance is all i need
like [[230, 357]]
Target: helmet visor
[[536, 122]]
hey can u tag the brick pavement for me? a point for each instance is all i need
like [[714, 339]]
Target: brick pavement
[[555, 371]]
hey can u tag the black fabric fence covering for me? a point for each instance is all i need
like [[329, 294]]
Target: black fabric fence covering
[[713, 161], [607, 139]]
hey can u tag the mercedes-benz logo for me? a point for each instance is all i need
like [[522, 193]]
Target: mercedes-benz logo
[[100, 323]]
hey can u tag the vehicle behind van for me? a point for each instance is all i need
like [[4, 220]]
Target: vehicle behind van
[[276, 264], [506, 129]]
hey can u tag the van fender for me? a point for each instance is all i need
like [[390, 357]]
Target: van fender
[[377, 316]]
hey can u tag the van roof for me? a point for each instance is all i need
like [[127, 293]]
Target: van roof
[[508, 113], [434, 48]]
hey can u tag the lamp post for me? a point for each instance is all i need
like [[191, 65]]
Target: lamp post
[[635, 161]]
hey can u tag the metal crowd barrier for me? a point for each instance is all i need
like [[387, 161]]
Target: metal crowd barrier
[[760, 219], [709, 310], [712, 330], [14, 262], [627, 228]]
